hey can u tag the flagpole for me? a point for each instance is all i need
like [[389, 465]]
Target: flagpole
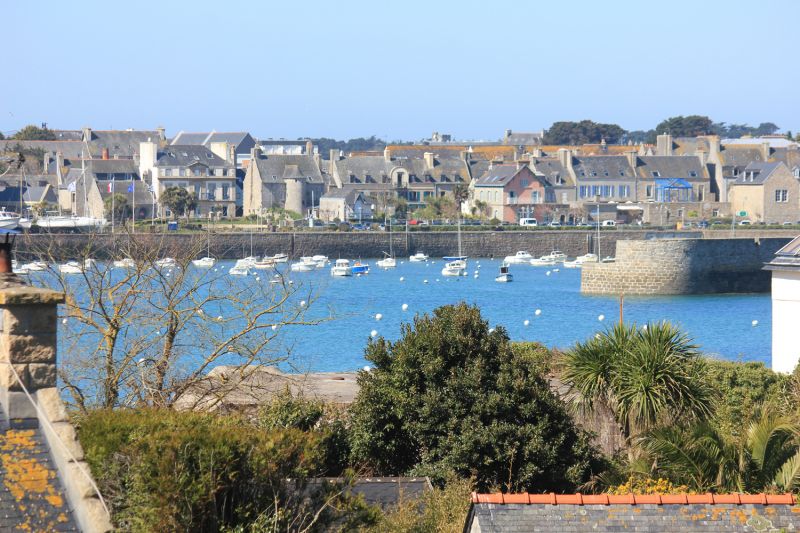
[[112, 204], [133, 201]]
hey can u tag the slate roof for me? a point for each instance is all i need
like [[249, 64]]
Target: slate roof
[[551, 168], [689, 145], [524, 138], [518, 513], [123, 143], [185, 155], [605, 167], [273, 168], [240, 139], [68, 148], [675, 166], [760, 173], [346, 193], [141, 194], [498, 176], [787, 258], [32, 497], [110, 166], [740, 155]]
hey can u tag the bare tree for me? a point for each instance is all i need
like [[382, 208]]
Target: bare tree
[[140, 331]]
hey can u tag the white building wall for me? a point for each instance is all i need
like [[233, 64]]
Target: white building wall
[[785, 320]]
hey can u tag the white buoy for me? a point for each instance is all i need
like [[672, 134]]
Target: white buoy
[[373, 333], [219, 317], [302, 303], [754, 323], [367, 368], [402, 278], [199, 311], [555, 270], [274, 327], [404, 307], [258, 279], [437, 280], [537, 312], [291, 282], [644, 327], [526, 323], [64, 321], [424, 281], [378, 316], [475, 276], [476, 272], [601, 318], [547, 273]]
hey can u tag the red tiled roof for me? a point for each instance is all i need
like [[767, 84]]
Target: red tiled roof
[[634, 499]]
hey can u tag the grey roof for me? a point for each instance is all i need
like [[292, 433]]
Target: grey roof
[[740, 155], [141, 195], [110, 166], [689, 145], [68, 148], [348, 194], [386, 492], [519, 518], [35, 194], [757, 173], [185, 155], [524, 138], [31, 498], [551, 168], [68, 135], [787, 258], [671, 166], [498, 175], [274, 168], [605, 167], [123, 143], [242, 140]]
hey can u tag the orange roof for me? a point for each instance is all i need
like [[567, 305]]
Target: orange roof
[[634, 499]]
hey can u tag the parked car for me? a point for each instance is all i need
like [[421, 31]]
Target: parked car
[[609, 223], [702, 224], [555, 224], [745, 223], [528, 222]]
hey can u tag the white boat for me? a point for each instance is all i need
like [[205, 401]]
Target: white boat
[[418, 257], [573, 264], [608, 259], [239, 269], [580, 260], [204, 262], [545, 260], [248, 261], [387, 262], [124, 263], [341, 268], [280, 258], [71, 223], [262, 264], [455, 268], [321, 260], [167, 262], [71, 267], [520, 258], [304, 265], [34, 266], [25, 223], [89, 263], [558, 256], [9, 219], [504, 276]]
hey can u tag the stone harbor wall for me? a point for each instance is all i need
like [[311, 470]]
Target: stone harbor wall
[[351, 245], [684, 266]]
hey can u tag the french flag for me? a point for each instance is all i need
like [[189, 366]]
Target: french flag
[[110, 186]]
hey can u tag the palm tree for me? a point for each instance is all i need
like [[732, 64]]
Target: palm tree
[[765, 458], [644, 376]]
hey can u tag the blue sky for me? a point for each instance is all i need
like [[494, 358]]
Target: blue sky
[[399, 70]]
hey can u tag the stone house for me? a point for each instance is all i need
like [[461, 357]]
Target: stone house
[[119, 144], [88, 188], [239, 142], [768, 192], [211, 176], [512, 192], [291, 182], [344, 204], [611, 178]]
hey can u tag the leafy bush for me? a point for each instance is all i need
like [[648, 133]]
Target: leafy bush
[[452, 397], [175, 471]]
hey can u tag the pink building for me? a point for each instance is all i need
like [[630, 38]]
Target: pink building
[[510, 192]]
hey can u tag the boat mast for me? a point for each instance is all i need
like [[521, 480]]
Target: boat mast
[[459, 236]]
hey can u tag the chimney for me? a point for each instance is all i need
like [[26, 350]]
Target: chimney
[[713, 148], [334, 154], [161, 133], [537, 152], [631, 156], [255, 151], [59, 166], [664, 144], [507, 134], [387, 155], [765, 150], [222, 150], [702, 155], [516, 155], [565, 157], [309, 148], [105, 154], [429, 162], [87, 133]]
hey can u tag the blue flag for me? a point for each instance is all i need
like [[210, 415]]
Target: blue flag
[[130, 187]]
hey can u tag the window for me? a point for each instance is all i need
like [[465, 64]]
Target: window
[[605, 173], [218, 172], [623, 191], [536, 197], [212, 191], [226, 192], [182, 172], [559, 180], [649, 191], [168, 172], [692, 174], [524, 182], [656, 174], [715, 213], [781, 195], [701, 193], [511, 194], [622, 173], [583, 192], [735, 171], [594, 174]]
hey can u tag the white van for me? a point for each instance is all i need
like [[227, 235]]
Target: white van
[[528, 222], [609, 223]]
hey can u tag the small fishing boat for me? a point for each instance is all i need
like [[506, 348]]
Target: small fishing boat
[[455, 268], [418, 257], [341, 268], [504, 276], [34, 266], [126, 262], [71, 267], [520, 258], [167, 262], [321, 260], [387, 262], [8, 219], [204, 262], [264, 263], [360, 268], [280, 258], [241, 268], [304, 265], [545, 260]]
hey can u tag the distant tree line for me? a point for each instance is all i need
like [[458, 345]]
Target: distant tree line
[[34, 133], [587, 131]]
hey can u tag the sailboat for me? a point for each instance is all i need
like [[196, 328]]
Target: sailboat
[[388, 261], [456, 264], [207, 261], [53, 221]]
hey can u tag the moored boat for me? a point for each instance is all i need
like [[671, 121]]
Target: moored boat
[[520, 258], [341, 268], [204, 262], [455, 268], [504, 276], [418, 257], [360, 268], [126, 262]]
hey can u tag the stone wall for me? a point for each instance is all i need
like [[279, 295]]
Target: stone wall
[[684, 266]]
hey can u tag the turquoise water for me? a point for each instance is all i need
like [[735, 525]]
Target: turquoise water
[[720, 324]]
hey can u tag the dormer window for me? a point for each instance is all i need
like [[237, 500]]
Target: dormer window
[[656, 174], [594, 174], [692, 174], [606, 173], [622, 173]]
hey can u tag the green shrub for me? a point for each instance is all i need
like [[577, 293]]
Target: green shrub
[[451, 397], [175, 471]]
